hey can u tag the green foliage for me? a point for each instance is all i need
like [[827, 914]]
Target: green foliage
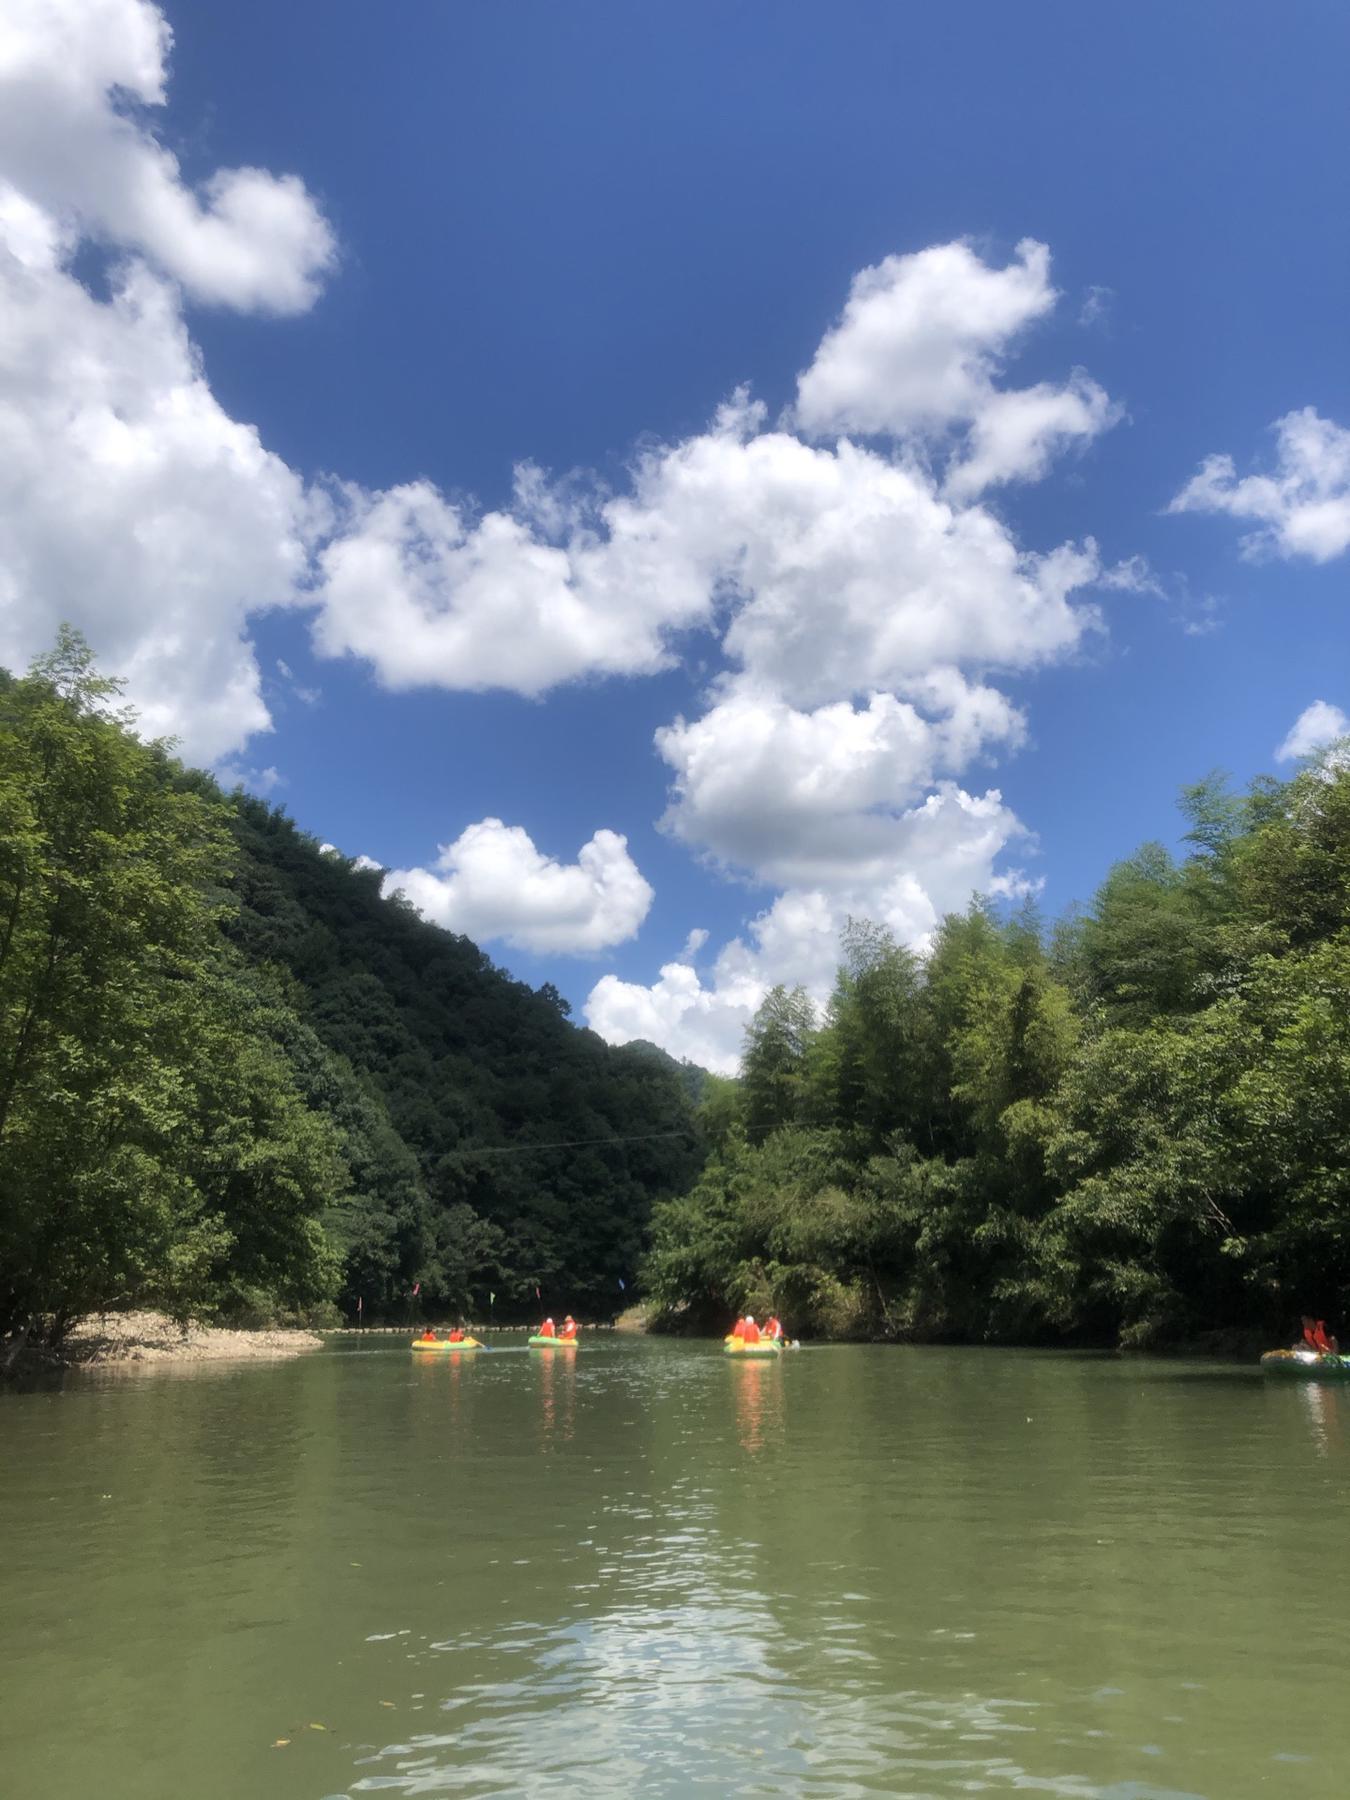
[[153, 1148], [1137, 1134], [773, 1069], [493, 1146], [233, 1078]]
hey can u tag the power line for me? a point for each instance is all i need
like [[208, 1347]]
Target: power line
[[640, 1137]]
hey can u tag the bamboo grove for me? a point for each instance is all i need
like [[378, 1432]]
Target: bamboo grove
[[1132, 1129]]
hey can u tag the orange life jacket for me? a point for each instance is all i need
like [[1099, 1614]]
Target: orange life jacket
[[738, 1329], [751, 1334], [1319, 1337], [547, 1329]]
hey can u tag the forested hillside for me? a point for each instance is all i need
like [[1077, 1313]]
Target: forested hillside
[[463, 1071], [1133, 1129], [234, 1079]]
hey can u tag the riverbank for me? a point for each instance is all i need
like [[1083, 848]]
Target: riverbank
[[153, 1337]]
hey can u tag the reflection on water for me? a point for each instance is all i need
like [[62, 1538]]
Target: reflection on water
[[647, 1568], [757, 1389], [1321, 1402], [556, 1373]]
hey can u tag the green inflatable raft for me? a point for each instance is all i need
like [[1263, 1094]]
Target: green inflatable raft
[[1307, 1365], [553, 1343], [735, 1347], [444, 1346]]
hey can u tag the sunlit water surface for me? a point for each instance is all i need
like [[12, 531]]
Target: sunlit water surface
[[647, 1569]]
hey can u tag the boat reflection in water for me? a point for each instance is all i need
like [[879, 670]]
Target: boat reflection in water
[[558, 1395], [1322, 1405], [758, 1387]]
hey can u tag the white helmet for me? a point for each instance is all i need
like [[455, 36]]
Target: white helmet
[[749, 1318]]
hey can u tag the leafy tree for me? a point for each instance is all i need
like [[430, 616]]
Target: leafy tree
[[1137, 1134], [773, 1068], [151, 1148]]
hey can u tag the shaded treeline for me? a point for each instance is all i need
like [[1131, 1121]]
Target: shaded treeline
[[233, 1078], [1134, 1129]]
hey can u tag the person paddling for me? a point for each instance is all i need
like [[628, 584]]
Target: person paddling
[[738, 1330], [773, 1329], [569, 1330], [751, 1333], [427, 1337], [1316, 1338], [457, 1335], [548, 1329]]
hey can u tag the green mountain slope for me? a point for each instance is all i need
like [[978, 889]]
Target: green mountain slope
[[235, 1079], [517, 1150]]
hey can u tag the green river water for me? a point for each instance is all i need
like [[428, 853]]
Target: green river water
[[648, 1569]]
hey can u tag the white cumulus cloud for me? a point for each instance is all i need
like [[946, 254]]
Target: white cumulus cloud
[[1016, 435], [835, 571], [795, 797], [940, 852], [430, 597], [68, 69], [1315, 727], [917, 353], [131, 503], [921, 339], [1301, 508], [492, 883]]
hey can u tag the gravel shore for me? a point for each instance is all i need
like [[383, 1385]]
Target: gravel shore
[[151, 1337]]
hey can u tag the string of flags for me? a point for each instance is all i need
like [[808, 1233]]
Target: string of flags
[[492, 1295]]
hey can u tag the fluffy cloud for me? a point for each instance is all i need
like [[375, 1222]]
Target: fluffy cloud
[[1016, 435], [829, 570], [921, 339], [916, 355], [836, 570], [859, 595], [1302, 508], [492, 883], [247, 239], [843, 572], [794, 797], [429, 596], [1315, 727], [130, 502], [942, 850]]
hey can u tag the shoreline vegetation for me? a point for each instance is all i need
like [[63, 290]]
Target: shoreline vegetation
[[1129, 1130], [239, 1083]]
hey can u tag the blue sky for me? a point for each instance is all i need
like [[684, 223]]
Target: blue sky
[[297, 292]]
